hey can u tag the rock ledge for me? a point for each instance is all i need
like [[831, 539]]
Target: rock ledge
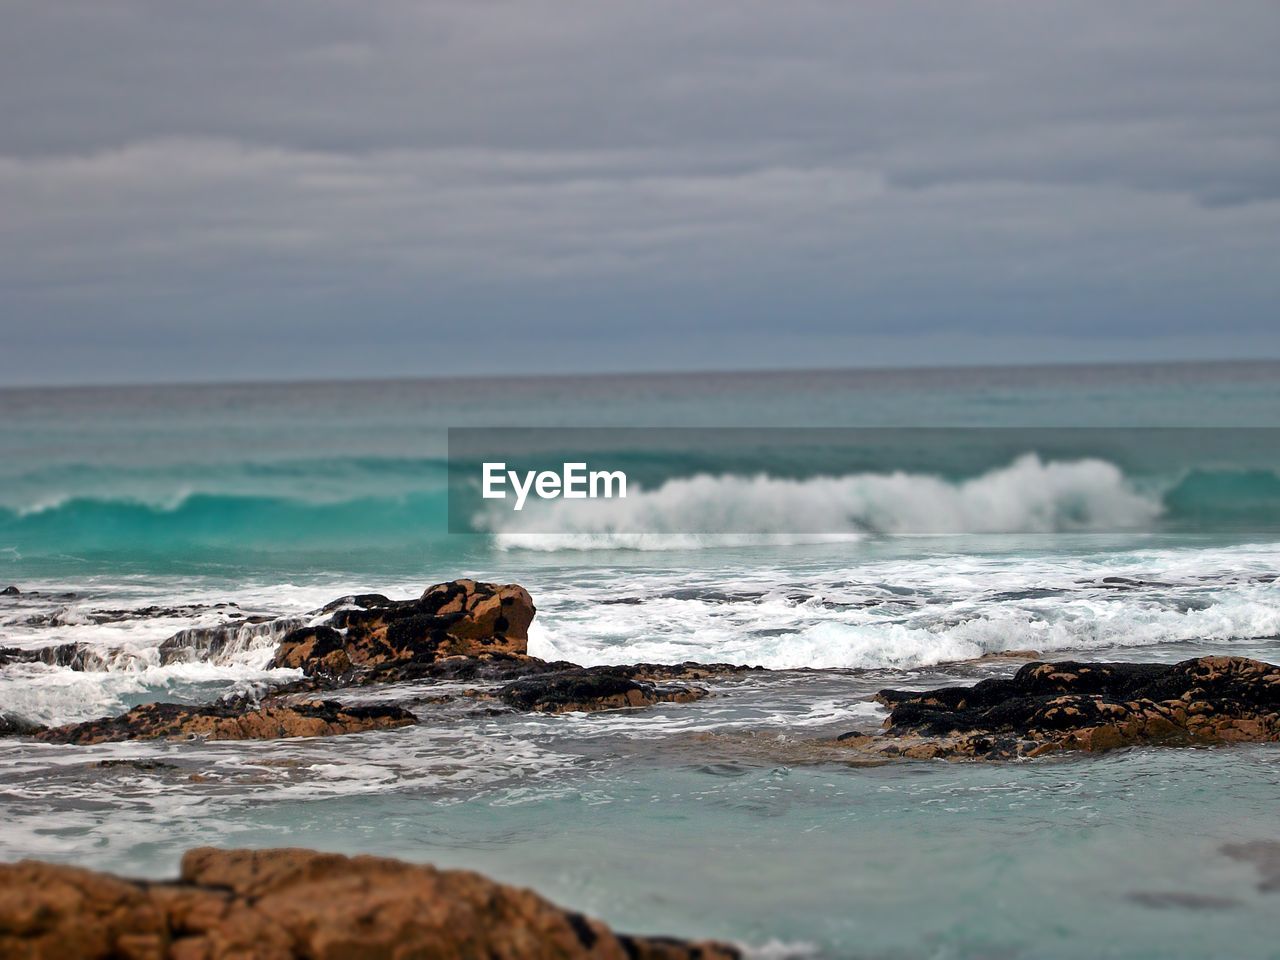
[[1068, 706], [286, 904]]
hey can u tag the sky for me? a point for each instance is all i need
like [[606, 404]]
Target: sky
[[310, 189]]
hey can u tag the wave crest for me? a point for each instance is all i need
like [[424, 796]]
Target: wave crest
[[1029, 495]]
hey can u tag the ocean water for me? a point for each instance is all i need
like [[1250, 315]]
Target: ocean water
[[129, 515]]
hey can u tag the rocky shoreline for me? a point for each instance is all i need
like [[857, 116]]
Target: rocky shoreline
[[460, 631], [465, 631], [469, 641], [285, 904]]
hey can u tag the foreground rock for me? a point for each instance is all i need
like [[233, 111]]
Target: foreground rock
[[1052, 707], [371, 637], [285, 904], [236, 719], [586, 689]]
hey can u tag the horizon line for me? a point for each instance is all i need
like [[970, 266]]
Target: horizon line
[[642, 374]]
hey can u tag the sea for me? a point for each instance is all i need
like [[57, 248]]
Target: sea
[[130, 515]]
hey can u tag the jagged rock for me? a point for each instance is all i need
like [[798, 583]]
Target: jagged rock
[[317, 651], [237, 719], [370, 633], [287, 904], [586, 689], [1051, 707]]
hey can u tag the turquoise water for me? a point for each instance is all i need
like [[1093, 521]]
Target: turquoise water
[[128, 515]]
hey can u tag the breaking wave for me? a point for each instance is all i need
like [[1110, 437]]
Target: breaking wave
[[1028, 495], [684, 511]]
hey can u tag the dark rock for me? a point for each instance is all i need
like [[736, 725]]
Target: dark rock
[[136, 764], [369, 633], [236, 719], [285, 904], [491, 667], [585, 689], [207, 643], [1264, 855], [11, 726], [1178, 900], [688, 670], [367, 601], [10, 591], [1050, 707]]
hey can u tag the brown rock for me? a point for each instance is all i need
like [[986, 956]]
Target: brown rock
[[371, 635], [286, 904], [232, 720]]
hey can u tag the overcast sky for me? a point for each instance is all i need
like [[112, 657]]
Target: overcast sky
[[306, 188]]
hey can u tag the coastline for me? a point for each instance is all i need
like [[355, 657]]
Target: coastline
[[367, 663]]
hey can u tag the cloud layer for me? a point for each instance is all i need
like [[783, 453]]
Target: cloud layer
[[307, 186]]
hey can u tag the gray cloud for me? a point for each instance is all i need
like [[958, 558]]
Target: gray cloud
[[246, 188]]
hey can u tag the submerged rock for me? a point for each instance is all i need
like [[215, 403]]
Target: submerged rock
[[1264, 855], [219, 642], [285, 904], [1052, 707], [73, 656], [370, 635], [11, 725], [586, 689], [237, 719]]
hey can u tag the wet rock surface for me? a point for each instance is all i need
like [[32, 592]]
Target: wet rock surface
[[369, 634], [588, 689], [460, 631], [284, 904], [1069, 706], [235, 719], [14, 725]]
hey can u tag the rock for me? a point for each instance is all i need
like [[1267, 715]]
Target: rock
[[1051, 707], [286, 904], [11, 725], [1179, 900], [689, 670], [586, 689], [369, 634], [84, 657], [10, 591], [141, 764], [1264, 855], [196, 644], [237, 719], [316, 651]]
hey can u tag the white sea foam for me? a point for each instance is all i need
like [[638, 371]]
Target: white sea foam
[[1027, 496], [908, 613], [816, 608]]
